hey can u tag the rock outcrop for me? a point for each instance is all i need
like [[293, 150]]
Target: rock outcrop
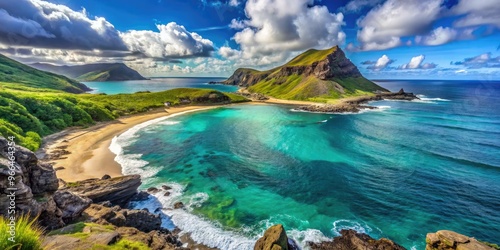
[[449, 240], [314, 73], [95, 236], [35, 187], [275, 238], [140, 219], [355, 105], [118, 190], [352, 240]]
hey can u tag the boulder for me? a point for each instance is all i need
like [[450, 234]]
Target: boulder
[[118, 190], [274, 238], [352, 240], [70, 204], [449, 240], [140, 219], [178, 205]]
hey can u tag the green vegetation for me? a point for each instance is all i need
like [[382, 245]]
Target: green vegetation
[[308, 77], [310, 88], [14, 72], [29, 114], [27, 237], [123, 244], [494, 246], [76, 231], [94, 76], [93, 72], [311, 56]]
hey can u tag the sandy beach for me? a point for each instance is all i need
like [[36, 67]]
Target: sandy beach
[[85, 152]]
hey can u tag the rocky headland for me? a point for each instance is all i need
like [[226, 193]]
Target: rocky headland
[[95, 213], [354, 105]]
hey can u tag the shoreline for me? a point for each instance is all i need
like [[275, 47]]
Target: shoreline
[[83, 153]]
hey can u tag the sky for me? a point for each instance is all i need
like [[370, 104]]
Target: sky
[[385, 39]]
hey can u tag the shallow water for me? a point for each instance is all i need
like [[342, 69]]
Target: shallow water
[[400, 172]]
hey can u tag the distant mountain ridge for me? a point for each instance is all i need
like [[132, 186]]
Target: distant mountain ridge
[[12, 71], [93, 72], [312, 74]]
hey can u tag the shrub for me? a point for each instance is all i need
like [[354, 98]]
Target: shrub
[[28, 234]]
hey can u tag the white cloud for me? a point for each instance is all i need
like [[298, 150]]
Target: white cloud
[[236, 24], [381, 63], [358, 5], [276, 27], [172, 40], [384, 25], [234, 3], [438, 36], [229, 53], [43, 31], [477, 13], [39, 23], [417, 63]]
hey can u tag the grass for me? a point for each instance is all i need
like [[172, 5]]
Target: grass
[[12, 71], [123, 244], [310, 56], [29, 114], [28, 234], [76, 231]]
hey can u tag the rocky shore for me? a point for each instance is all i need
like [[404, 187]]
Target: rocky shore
[[355, 105], [94, 213]]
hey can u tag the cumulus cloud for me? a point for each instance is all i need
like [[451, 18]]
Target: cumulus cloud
[[276, 27], [417, 63], [172, 40], [481, 61], [55, 33], [438, 36], [477, 13], [358, 5], [229, 53], [234, 3], [39, 23], [380, 64], [384, 25]]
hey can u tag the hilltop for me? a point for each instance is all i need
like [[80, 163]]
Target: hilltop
[[93, 72], [14, 72], [315, 75]]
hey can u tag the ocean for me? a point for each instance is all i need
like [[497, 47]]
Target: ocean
[[401, 171], [158, 84]]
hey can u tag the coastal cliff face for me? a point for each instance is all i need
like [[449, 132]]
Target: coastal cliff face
[[36, 188], [314, 73]]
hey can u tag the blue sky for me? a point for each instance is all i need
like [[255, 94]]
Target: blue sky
[[386, 39]]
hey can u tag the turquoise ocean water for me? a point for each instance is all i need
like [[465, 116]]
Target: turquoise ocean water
[[158, 84], [401, 171]]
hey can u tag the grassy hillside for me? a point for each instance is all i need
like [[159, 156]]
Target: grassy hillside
[[310, 56], [112, 72], [93, 72], [12, 71], [315, 75], [29, 113]]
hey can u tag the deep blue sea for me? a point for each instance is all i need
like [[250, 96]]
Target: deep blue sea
[[401, 171], [158, 84]]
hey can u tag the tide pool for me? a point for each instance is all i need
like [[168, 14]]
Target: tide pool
[[400, 172]]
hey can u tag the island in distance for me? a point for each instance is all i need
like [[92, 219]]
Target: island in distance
[[98, 72]]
